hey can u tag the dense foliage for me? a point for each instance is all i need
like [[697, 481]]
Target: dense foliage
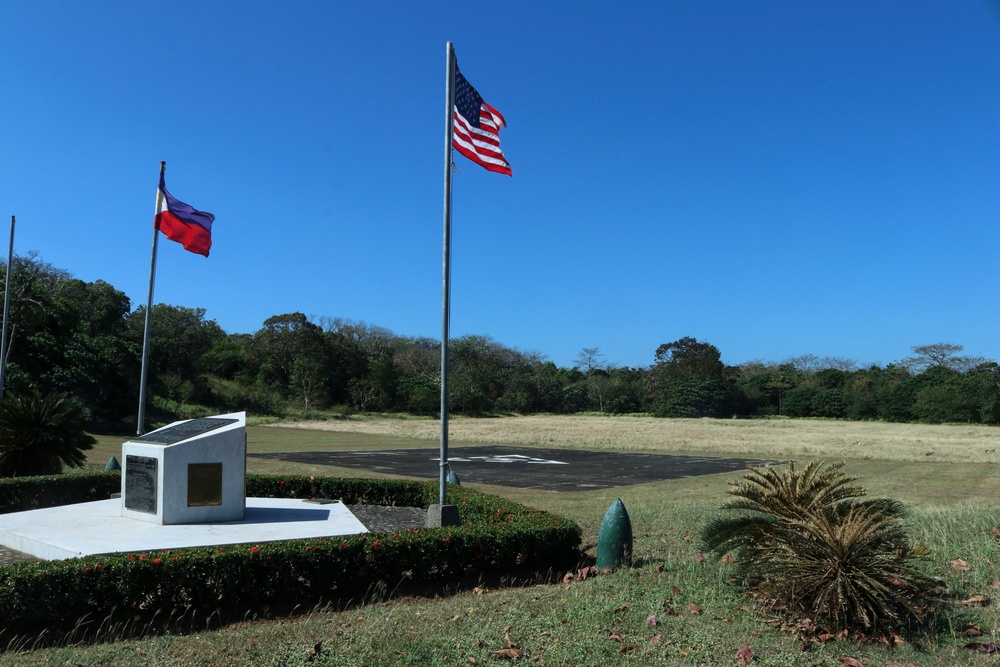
[[40, 434], [496, 536], [83, 339], [807, 540]]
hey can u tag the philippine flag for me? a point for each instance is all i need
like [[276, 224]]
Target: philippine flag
[[183, 223]]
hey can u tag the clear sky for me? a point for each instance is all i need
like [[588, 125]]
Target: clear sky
[[774, 177]]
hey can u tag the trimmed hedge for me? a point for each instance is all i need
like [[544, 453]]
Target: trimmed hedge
[[496, 536], [18, 494]]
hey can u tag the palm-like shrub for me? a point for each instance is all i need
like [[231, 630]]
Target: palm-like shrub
[[41, 433], [807, 539]]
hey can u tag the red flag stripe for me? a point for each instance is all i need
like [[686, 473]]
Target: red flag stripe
[[480, 144]]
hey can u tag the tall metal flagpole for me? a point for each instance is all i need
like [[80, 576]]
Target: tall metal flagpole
[[446, 269], [6, 305], [140, 422]]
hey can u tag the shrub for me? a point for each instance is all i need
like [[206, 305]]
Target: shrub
[[806, 539], [41, 433], [18, 494]]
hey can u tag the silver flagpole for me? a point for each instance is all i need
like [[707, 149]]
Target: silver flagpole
[[140, 422], [446, 269], [6, 306]]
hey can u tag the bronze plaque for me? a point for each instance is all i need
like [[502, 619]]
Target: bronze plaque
[[184, 430], [204, 484], [140, 483]]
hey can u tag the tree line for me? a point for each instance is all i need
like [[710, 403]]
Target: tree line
[[84, 339]]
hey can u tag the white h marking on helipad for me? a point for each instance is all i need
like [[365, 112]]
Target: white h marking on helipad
[[506, 458]]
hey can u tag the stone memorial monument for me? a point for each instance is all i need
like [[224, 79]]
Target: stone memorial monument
[[189, 471]]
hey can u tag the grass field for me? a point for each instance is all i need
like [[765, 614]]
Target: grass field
[[947, 475]]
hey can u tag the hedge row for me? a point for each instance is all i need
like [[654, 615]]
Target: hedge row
[[496, 535], [18, 494]]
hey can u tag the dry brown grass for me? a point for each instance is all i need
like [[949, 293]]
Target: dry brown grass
[[784, 438]]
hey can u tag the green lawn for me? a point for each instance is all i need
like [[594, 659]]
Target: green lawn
[[672, 609]]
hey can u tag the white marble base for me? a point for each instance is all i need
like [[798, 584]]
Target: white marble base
[[99, 528]]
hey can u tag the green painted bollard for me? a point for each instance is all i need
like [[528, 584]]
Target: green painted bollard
[[452, 478], [614, 539], [112, 465]]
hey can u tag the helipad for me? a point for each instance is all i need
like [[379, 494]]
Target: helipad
[[529, 467]]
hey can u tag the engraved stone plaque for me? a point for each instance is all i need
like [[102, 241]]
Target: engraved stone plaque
[[204, 484], [184, 430], [140, 483]]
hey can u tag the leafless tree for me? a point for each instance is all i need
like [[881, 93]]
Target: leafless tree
[[944, 355]]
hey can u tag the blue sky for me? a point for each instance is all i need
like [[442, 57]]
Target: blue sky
[[775, 178]]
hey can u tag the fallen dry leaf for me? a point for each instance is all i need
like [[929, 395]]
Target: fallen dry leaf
[[743, 656], [694, 608], [675, 590], [960, 565], [848, 661], [700, 559], [972, 631], [655, 640], [510, 653], [976, 601], [726, 560], [455, 617]]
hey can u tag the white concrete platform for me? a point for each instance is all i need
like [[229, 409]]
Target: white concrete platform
[[98, 527]]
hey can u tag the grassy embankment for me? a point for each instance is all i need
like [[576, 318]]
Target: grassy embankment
[[946, 474]]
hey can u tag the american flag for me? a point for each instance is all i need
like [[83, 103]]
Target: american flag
[[477, 128]]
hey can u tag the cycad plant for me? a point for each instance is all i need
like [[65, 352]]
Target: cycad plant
[[41, 433], [806, 538]]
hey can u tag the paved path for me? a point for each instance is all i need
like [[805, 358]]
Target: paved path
[[376, 518], [529, 467]]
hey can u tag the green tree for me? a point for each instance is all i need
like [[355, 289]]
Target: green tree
[[688, 380], [687, 359], [180, 340], [291, 355]]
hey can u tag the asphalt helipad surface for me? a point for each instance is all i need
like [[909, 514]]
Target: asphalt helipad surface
[[529, 467]]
